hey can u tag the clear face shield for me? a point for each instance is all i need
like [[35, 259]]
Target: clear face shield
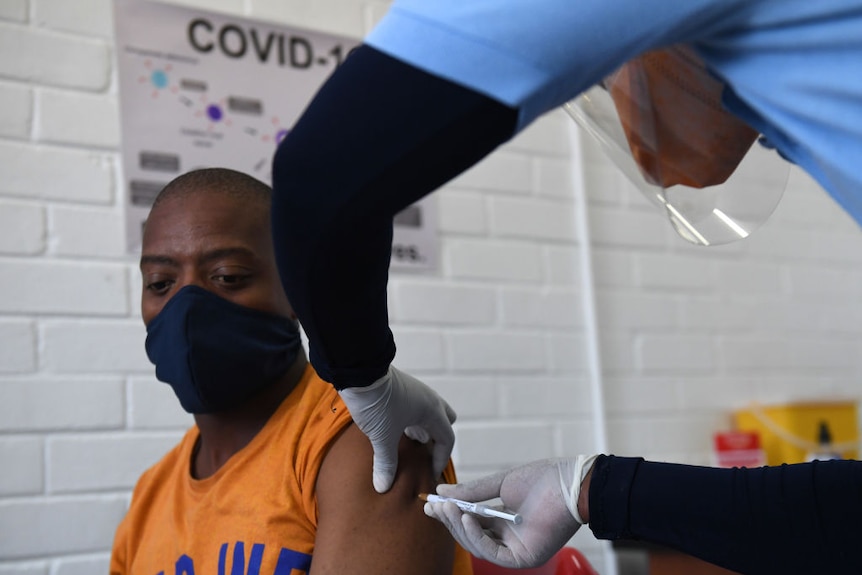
[[661, 120]]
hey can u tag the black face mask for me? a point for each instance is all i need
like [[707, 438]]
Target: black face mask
[[216, 354]]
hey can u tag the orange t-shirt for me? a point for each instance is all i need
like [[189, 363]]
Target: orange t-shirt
[[256, 515]]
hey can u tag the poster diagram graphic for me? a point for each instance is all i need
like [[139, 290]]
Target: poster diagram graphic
[[202, 89]]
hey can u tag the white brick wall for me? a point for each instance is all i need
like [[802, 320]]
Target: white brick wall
[[76, 118], [576, 437], [544, 397], [562, 265], [121, 459], [153, 405], [686, 334], [18, 352], [461, 212], [44, 404], [23, 465], [711, 313], [670, 353], [471, 397], [95, 347], [494, 352], [420, 350], [16, 111], [541, 308], [86, 565], [55, 287], [611, 227], [568, 353], [674, 272], [25, 568], [79, 176], [502, 171], [492, 260], [15, 10], [89, 232], [22, 228], [85, 17], [434, 303], [33, 55], [45, 526], [637, 310], [532, 218], [492, 445]]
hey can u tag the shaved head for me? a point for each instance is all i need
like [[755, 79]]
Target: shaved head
[[223, 181]]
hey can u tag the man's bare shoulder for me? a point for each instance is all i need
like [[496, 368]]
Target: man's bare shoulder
[[362, 531]]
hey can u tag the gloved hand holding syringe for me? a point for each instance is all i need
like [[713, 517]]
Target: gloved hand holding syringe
[[475, 508], [544, 495]]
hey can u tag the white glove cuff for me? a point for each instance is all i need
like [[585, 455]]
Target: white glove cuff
[[583, 464], [354, 392]]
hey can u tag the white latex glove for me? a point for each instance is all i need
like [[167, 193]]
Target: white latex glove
[[399, 403], [545, 494]]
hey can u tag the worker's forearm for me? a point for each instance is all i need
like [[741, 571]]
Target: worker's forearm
[[377, 137], [747, 520]]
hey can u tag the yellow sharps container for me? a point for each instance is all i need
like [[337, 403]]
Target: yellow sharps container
[[789, 432]]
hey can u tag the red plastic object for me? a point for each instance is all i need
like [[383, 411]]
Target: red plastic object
[[739, 449], [567, 561]]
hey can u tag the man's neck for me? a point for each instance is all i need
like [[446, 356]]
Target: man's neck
[[223, 434]]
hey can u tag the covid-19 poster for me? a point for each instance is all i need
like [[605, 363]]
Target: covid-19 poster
[[203, 89]]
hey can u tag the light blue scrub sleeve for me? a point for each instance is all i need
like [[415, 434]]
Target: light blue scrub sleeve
[[795, 69], [795, 66], [535, 55]]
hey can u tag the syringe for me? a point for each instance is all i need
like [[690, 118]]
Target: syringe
[[477, 508]]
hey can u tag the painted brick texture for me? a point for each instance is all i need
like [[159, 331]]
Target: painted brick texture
[[686, 334]]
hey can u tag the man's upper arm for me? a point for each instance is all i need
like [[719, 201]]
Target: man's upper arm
[[361, 531]]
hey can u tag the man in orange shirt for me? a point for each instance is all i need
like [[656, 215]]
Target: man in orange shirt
[[273, 477]]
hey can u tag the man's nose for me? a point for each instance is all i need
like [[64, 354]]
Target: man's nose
[[190, 278]]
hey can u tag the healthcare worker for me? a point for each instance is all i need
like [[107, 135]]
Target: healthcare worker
[[438, 85]]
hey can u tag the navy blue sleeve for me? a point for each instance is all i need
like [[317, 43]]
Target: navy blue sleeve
[[801, 518], [378, 136]]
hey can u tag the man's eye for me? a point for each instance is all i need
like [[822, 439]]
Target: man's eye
[[231, 280], [159, 287]]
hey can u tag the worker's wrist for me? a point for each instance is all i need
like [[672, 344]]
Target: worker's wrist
[[373, 387], [584, 498], [582, 464]]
